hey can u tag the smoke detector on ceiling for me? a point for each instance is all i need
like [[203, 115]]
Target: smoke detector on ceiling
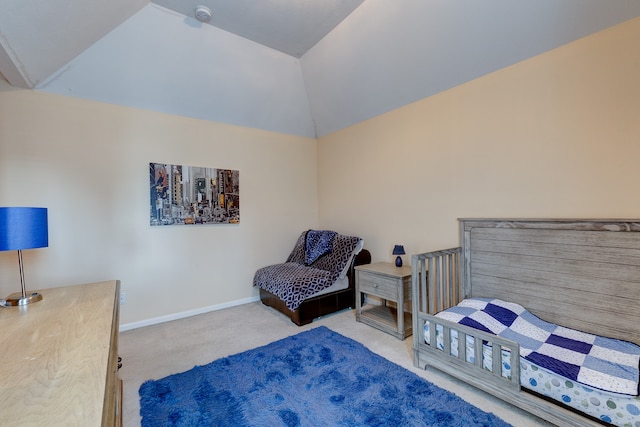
[[203, 13]]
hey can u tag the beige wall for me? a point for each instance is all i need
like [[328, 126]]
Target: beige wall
[[87, 162], [554, 136]]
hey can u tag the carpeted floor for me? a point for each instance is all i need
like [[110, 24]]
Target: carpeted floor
[[314, 378], [160, 350]]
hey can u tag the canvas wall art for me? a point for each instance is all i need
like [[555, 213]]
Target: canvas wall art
[[189, 195]]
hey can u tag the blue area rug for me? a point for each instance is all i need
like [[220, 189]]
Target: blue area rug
[[315, 378]]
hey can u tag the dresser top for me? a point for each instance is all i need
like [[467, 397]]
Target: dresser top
[[54, 356]]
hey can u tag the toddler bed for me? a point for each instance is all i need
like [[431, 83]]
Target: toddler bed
[[509, 275], [317, 279]]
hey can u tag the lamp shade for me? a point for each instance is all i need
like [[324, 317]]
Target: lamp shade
[[398, 250], [23, 228]]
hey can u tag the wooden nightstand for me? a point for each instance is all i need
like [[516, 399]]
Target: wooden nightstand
[[389, 283]]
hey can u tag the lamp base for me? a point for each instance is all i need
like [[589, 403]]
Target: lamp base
[[18, 299], [398, 261]]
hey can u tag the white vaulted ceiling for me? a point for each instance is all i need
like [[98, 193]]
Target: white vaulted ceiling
[[304, 67]]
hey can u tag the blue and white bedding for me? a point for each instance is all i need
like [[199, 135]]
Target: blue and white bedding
[[617, 409], [612, 407], [602, 363]]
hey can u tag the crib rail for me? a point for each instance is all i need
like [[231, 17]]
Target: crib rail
[[436, 286], [441, 288], [458, 362]]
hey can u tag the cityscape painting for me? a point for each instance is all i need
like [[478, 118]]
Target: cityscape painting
[[193, 195]]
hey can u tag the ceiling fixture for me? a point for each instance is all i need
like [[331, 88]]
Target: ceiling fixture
[[203, 13]]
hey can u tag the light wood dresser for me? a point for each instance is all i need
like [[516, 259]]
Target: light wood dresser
[[59, 359]]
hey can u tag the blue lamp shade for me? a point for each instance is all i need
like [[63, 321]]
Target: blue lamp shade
[[398, 250], [23, 228]]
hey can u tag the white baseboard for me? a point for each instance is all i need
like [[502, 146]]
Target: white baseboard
[[189, 313]]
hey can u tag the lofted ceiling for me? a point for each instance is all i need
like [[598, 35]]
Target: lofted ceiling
[[305, 67], [290, 26], [39, 37]]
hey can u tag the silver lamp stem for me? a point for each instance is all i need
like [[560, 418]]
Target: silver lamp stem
[[24, 288], [22, 298]]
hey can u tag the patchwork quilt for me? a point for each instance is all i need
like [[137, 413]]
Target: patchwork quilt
[[297, 279], [604, 363]]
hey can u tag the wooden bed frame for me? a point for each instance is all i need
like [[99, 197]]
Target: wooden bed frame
[[582, 274], [322, 305]]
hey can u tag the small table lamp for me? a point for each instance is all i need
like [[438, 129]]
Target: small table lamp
[[398, 250], [23, 228]]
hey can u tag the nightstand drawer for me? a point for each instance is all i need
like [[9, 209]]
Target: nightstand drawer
[[374, 284]]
